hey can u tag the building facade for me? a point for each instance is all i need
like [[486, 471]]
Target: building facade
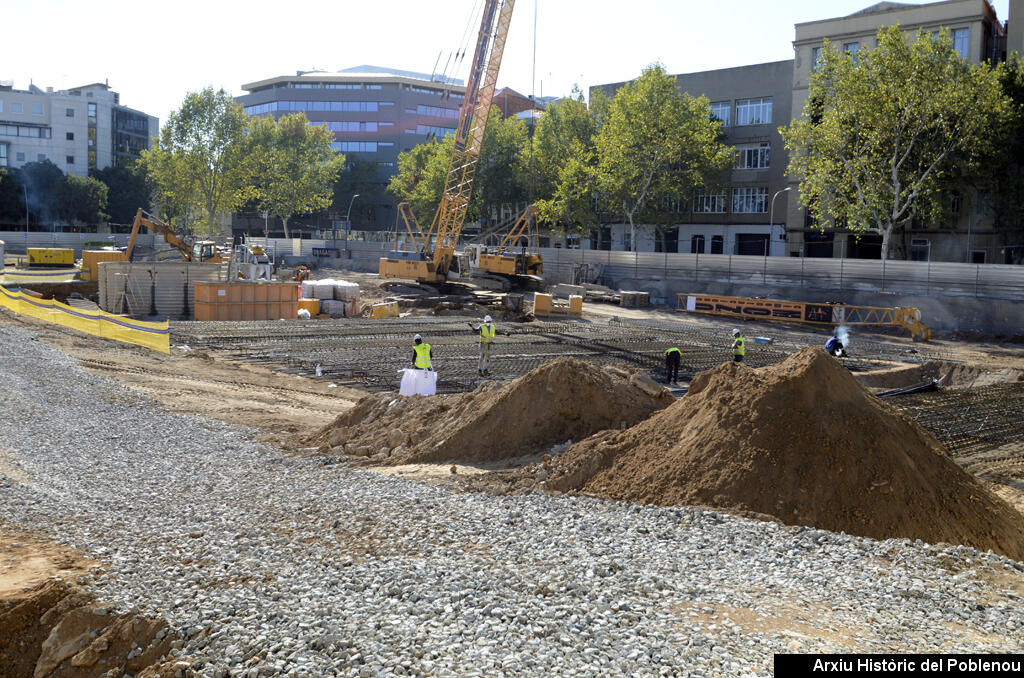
[[77, 129], [978, 36], [375, 114]]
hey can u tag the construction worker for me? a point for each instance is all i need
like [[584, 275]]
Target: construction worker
[[739, 346], [486, 330], [422, 355], [835, 347], [672, 358]]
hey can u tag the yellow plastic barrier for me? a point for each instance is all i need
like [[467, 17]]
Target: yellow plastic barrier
[[156, 336], [387, 309]]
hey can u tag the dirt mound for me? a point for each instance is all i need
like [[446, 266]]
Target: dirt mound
[[802, 441], [57, 629], [563, 399]]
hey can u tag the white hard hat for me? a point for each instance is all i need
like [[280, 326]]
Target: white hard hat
[[417, 337], [487, 318], [735, 332]]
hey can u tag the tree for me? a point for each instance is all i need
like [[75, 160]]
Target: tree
[[563, 130], [656, 143], [200, 160], [420, 177], [884, 134], [44, 182], [82, 200], [12, 199], [1005, 171], [293, 164], [128, 189]]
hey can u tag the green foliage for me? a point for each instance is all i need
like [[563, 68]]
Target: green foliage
[[564, 130], [200, 161], [1005, 177], [293, 166], [12, 200], [883, 137], [82, 200], [128, 189], [656, 144], [420, 177]]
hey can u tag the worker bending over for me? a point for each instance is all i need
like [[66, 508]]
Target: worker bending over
[[672, 358], [422, 355], [739, 346], [835, 347], [486, 330]]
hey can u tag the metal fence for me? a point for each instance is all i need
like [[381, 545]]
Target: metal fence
[[997, 281], [18, 241]]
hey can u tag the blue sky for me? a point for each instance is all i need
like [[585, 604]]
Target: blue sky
[[153, 53]]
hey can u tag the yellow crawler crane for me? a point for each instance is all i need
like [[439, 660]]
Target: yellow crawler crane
[[433, 250]]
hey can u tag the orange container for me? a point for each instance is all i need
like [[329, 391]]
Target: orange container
[[91, 260], [311, 305]]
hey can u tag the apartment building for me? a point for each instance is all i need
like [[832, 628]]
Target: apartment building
[[375, 114], [77, 129]]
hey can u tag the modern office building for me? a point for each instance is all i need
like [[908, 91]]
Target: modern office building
[[374, 112], [754, 101], [77, 129]]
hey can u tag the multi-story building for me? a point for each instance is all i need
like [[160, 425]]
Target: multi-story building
[[978, 36], [751, 102], [375, 114], [77, 129], [754, 101]]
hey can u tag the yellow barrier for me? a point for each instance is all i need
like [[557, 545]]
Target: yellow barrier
[[156, 336]]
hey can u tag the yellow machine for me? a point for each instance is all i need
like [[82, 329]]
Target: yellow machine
[[546, 306], [432, 258], [201, 251], [798, 311], [50, 256], [502, 260]]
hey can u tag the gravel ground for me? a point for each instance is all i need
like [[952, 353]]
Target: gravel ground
[[271, 565]]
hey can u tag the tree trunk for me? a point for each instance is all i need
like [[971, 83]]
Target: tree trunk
[[284, 222], [886, 239]]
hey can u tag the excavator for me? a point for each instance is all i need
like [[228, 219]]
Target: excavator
[[433, 257], [201, 251]]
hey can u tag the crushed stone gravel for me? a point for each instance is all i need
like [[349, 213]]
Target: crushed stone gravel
[[272, 565]]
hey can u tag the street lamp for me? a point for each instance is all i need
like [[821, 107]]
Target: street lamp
[[348, 216], [771, 214], [25, 188]]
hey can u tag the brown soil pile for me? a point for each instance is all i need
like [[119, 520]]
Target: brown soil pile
[[804, 442], [948, 375], [563, 399], [56, 629]]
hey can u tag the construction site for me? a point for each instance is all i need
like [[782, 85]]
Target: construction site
[[449, 457]]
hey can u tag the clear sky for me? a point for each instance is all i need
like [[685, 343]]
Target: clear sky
[[153, 53]]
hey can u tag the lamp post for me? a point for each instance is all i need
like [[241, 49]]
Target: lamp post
[[771, 214], [25, 188], [348, 222]]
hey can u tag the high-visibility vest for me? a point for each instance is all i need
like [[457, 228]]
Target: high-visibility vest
[[486, 334], [741, 346], [673, 350], [422, 356]]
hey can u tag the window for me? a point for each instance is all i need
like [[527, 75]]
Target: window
[[41, 157], [750, 200], [17, 107], [332, 106], [70, 160], [69, 112], [92, 112], [25, 131], [721, 110], [754, 111], [436, 131], [355, 146], [1, 105], [69, 136], [709, 203], [956, 203], [20, 157], [919, 249], [3, 155], [451, 113], [385, 124], [961, 41], [385, 164], [852, 48], [368, 86], [815, 58], [717, 244], [697, 244], [753, 156], [384, 144], [341, 85], [352, 126], [424, 90]]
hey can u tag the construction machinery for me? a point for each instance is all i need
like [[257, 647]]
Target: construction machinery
[[432, 257], [50, 257], [798, 311], [200, 251], [523, 267]]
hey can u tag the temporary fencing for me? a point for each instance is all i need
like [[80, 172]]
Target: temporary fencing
[[154, 335]]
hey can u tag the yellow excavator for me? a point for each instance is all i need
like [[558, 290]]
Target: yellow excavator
[[433, 257], [200, 251]]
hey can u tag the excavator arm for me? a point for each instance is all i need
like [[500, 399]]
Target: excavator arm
[[143, 218]]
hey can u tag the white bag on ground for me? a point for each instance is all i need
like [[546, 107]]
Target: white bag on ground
[[408, 387], [418, 382]]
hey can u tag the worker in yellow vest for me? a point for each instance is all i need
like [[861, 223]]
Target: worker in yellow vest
[[672, 358], [739, 346], [422, 355], [486, 330]]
